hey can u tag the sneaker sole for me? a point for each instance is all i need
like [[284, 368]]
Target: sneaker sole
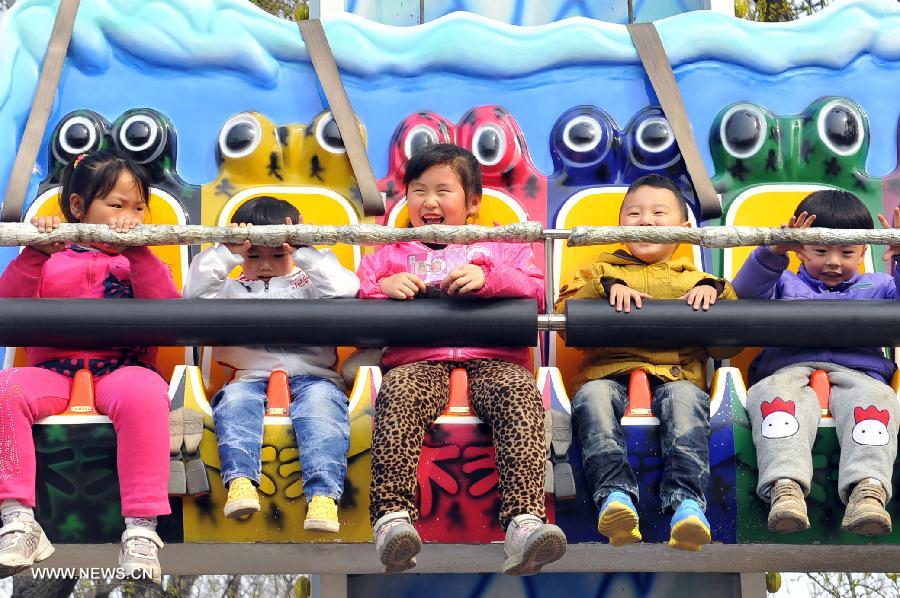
[[241, 508], [400, 551], [786, 521], [689, 534], [871, 525], [321, 525], [44, 551], [550, 546], [620, 525]]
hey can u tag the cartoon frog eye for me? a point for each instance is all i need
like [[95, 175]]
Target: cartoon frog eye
[[489, 144], [743, 130], [417, 138], [582, 134], [655, 143], [78, 134], [240, 136], [329, 136], [841, 127], [141, 135]]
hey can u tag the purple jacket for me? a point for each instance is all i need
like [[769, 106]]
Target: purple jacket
[[765, 276]]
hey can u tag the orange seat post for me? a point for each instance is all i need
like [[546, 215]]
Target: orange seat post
[[81, 398], [819, 382], [639, 395], [459, 394], [278, 394]]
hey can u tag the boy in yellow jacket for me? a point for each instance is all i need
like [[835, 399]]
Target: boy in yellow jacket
[[646, 271]]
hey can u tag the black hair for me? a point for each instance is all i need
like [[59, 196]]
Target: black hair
[[836, 208], [459, 159], [264, 210], [95, 174], [658, 181]]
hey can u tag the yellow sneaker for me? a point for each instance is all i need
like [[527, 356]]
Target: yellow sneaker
[[321, 515], [243, 500]]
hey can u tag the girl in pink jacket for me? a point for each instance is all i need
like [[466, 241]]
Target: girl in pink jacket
[[98, 188], [443, 186]]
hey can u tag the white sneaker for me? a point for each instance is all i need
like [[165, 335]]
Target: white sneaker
[[22, 544], [140, 553], [397, 542], [530, 544]]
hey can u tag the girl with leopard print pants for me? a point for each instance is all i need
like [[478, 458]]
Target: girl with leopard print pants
[[443, 186]]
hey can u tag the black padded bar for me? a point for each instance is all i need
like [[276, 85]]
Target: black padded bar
[[745, 323], [91, 323]]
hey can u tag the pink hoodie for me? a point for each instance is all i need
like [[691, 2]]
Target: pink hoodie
[[81, 273], [510, 272]]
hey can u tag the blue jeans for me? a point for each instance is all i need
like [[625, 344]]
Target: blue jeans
[[321, 425], [683, 412]]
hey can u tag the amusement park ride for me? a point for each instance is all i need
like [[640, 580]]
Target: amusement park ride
[[235, 109]]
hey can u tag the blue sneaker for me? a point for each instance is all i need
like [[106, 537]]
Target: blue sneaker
[[618, 520], [690, 528]]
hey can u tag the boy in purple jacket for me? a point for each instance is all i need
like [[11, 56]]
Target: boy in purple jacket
[[784, 410]]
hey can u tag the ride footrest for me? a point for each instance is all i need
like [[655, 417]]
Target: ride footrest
[[560, 443]]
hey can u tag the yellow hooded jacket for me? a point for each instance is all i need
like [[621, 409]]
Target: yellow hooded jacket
[[663, 280]]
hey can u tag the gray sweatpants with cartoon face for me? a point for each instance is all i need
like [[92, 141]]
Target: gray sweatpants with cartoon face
[[785, 413]]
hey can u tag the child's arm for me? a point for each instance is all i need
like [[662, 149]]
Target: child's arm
[[758, 277], [761, 271], [511, 275], [208, 276], [594, 282], [150, 277], [328, 277], [22, 277], [379, 278], [892, 253]]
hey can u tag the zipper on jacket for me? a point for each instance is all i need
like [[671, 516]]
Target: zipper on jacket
[[266, 288]]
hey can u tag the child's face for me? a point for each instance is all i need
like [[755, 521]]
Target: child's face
[[438, 197], [124, 200], [832, 264], [649, 206], [263, 263]]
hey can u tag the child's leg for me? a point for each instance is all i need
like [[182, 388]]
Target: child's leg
[[505, 396], [26, 395], [239, 410], [865, 415], [136, 400], [322, 426], [683, 412], [784, 417], [597, 410], [412, 396]]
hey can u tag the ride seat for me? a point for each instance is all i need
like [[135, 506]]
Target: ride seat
[[639, 396]]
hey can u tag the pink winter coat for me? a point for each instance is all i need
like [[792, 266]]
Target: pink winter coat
[[510, 272], [82, 273]]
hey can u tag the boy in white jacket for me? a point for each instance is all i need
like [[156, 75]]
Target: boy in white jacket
[[318, 408]]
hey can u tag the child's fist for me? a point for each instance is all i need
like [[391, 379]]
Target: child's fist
[[463, 280], [46, 224], [402, 286], [802, 220], [893, 250], [240, 249]]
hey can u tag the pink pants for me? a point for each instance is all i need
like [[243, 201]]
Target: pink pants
[[134, 398]]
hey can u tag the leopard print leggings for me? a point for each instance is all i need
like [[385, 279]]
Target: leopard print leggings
[[502, 394]]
